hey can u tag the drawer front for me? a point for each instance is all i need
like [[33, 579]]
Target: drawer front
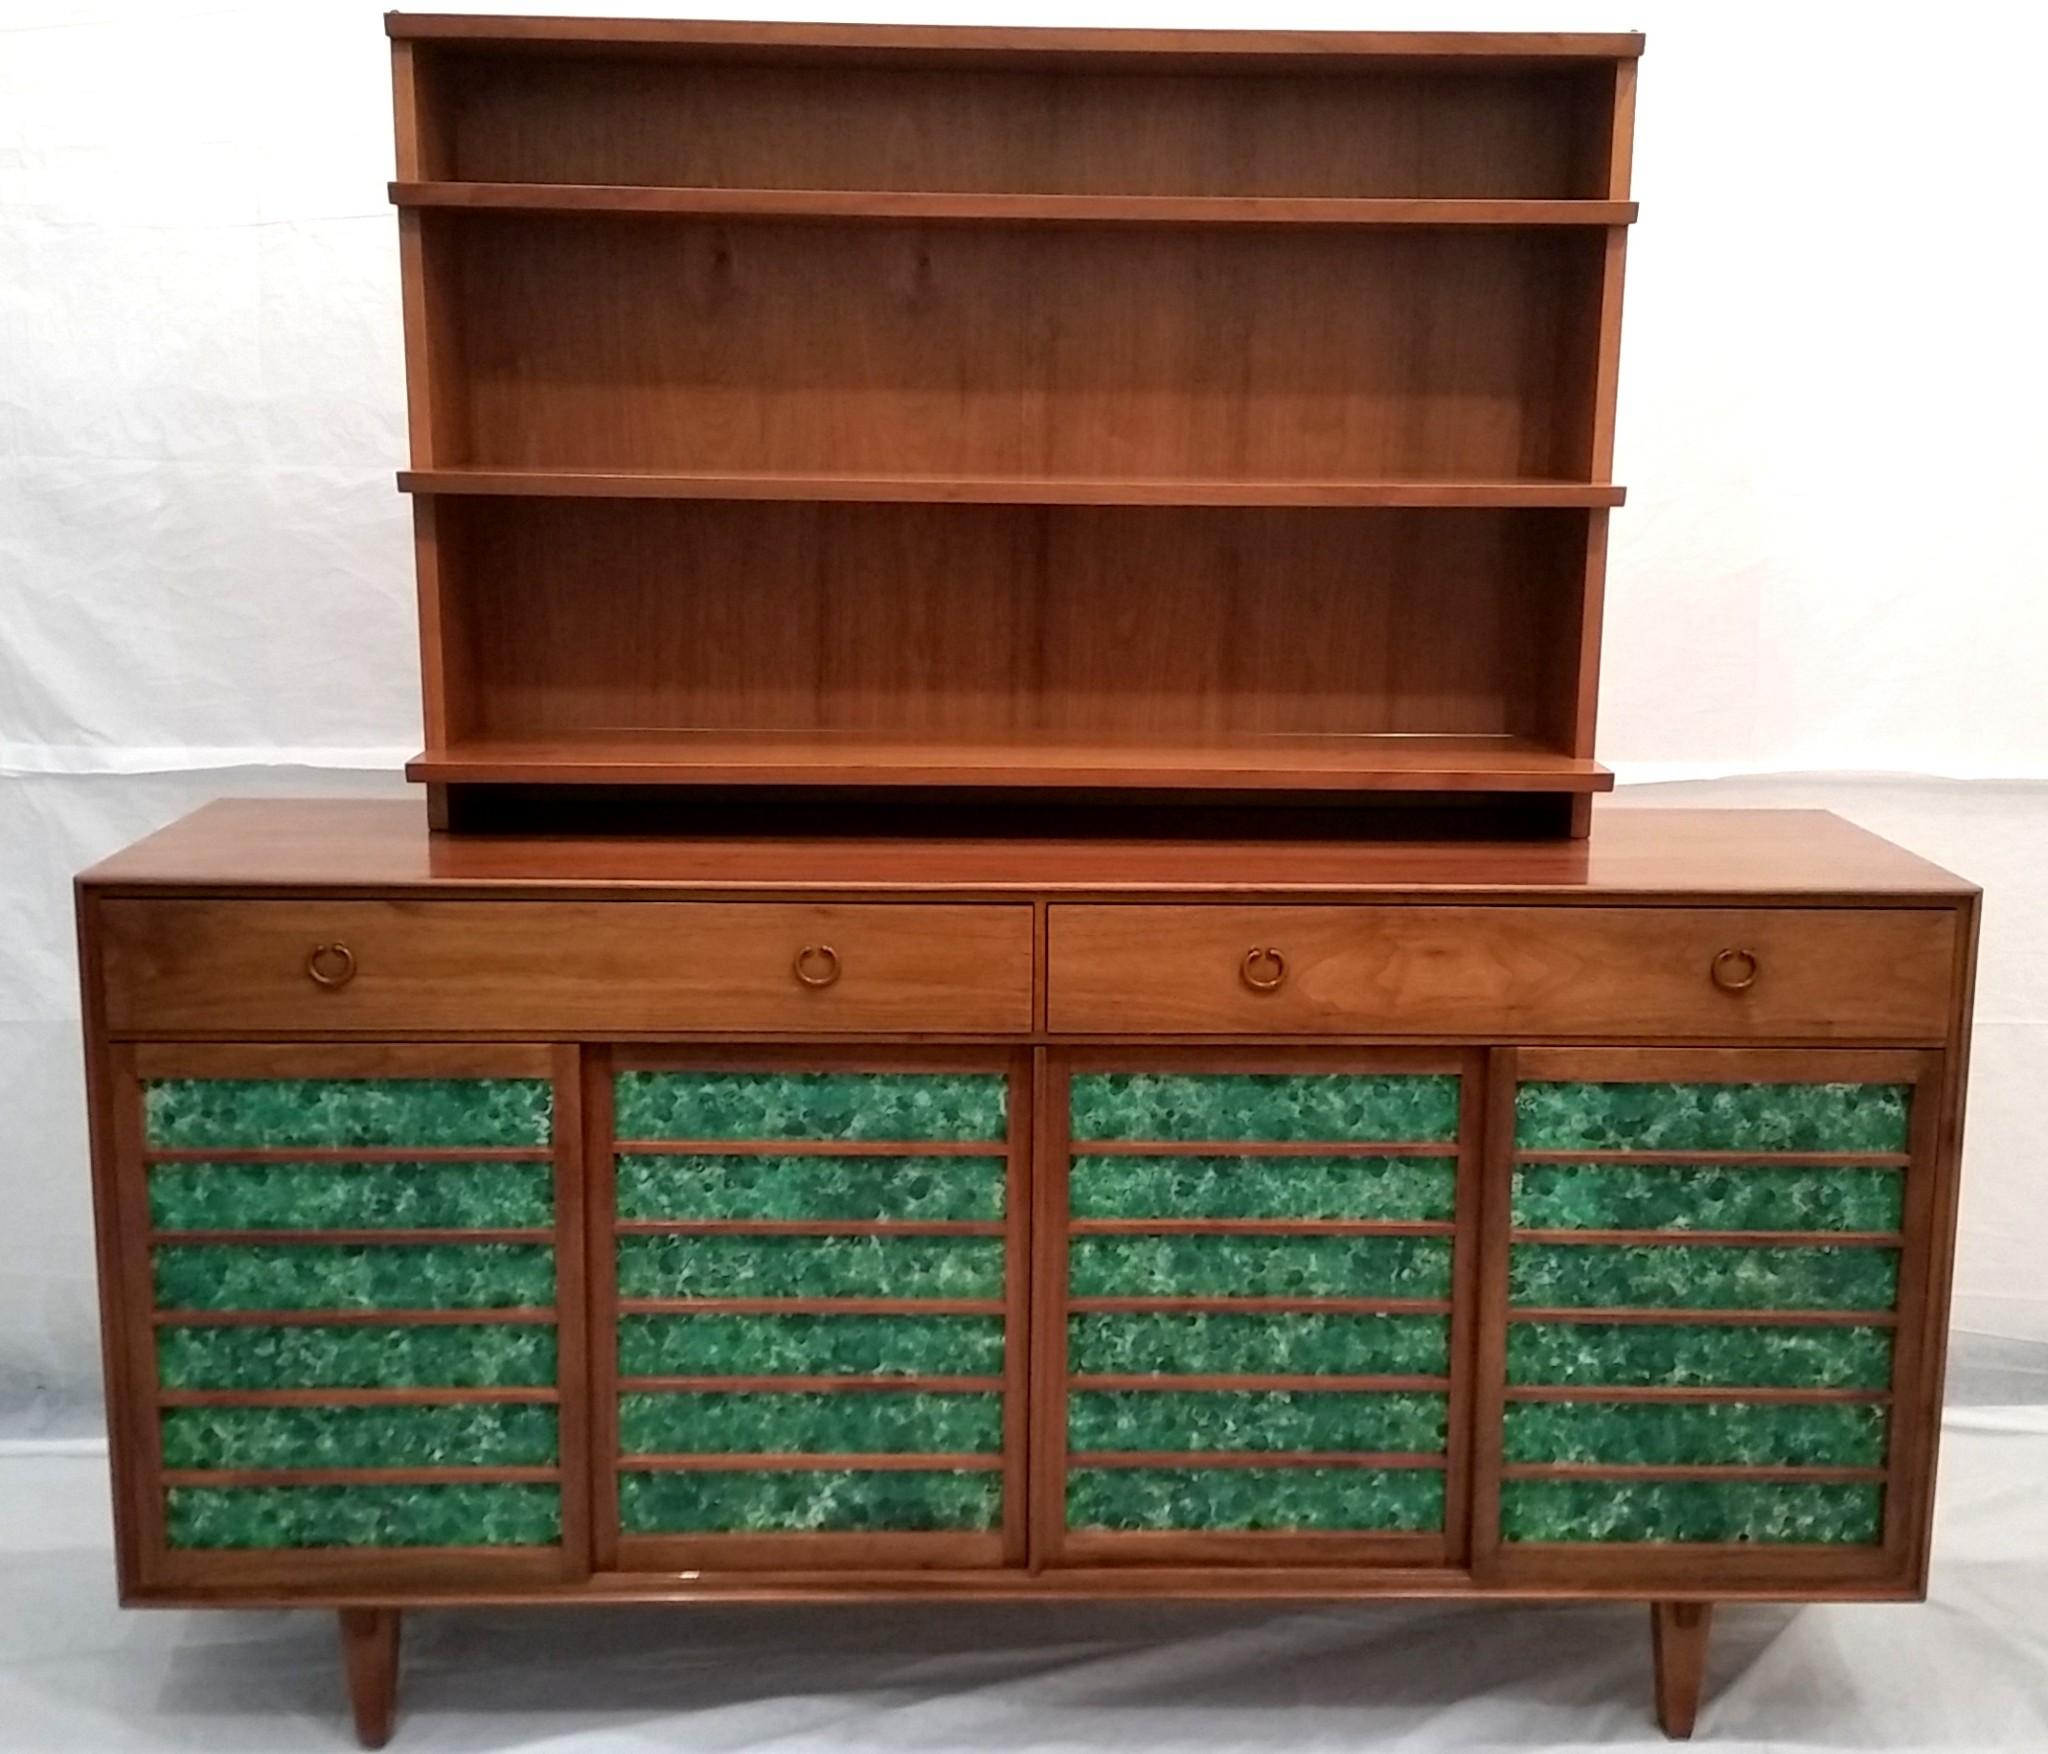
[[1726, 974], [563, 967]]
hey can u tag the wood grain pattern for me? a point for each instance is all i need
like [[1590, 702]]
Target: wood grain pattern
[[524, 966], [335, 847], [1506, 972], [1002, 208]]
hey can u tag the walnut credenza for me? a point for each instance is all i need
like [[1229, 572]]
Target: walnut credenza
[[684, 1220]]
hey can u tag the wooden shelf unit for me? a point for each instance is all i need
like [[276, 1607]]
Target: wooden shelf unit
[[810, 389]]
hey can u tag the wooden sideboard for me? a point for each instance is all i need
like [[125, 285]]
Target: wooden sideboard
[[555, 1219]]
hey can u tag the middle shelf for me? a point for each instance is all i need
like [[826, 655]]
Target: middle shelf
[[1002, 489]]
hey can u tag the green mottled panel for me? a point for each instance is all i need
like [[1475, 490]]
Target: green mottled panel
[[1232, 1419], [1265, 1106], [351, 1196], [1701, 1276], [1260, 1266], [364, 1516], [471, 1275], [799, 1423], [355, 1112], [1671, 1434], [1638, 1196], [712, 1501], [1690, 1510], [810, 1105], [359, 1437], [1263, 1187], [811, 1187], [1132, 1499], [811, 1266], [1653, 1355], [810, 1345], [510, 1355], [1712, 1117], [1228, 1344]]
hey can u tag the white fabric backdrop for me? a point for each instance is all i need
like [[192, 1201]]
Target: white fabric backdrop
[[1832, 558]]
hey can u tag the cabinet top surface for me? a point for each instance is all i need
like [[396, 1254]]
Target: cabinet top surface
[[260, 846], [887, 40]]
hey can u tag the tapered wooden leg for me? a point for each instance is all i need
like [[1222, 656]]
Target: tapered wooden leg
[[1678, 1644], [369, 1653]]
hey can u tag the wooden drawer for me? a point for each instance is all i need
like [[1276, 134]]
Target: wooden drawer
[[555, 968], [1629, 973]]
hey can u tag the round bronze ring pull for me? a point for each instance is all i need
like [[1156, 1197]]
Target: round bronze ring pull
[[1735, 970], [1263, 969], [817, 965], [331, 965]]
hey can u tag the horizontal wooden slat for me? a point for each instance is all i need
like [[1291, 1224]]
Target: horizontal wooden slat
[[810, 1306], [1260, 1148], [811, 1147], [1683, 1471], [1727, 1159], [1251, 1458], [792, 1462], [369, 1157], [1791, 1318], [829, 1385], [422, 1397], [1259, 1227], [368, 1236], [1268, 1383], [1718, 1238], [1259, 1305], [483, 1476], [345, 1318], [810, 1227], [1660, 1392]]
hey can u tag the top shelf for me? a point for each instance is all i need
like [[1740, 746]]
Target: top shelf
[[970, 206], [1190, 50]]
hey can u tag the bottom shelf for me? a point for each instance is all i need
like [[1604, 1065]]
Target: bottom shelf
[[1320, 763]]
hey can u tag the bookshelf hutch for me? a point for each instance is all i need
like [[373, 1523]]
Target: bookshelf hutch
[[995, 411], [1115, 1059]]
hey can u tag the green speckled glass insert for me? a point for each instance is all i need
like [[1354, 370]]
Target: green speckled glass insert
[[1701, 1276], [1228, 1344], [1232, 1419], [1265, 1106], [1652, 1355], [811, 1187], [793, 1422], [811, 1266], [810, 1105], [810, 1345], [351, 1196], [712, 1501], [359, 1437], [363, 1516], [1361, 1499], [508, 1355], [1712, 1117], [481, 1275], [1670, 1434], [354, 1112], [1633, 1196], [1262, 1187], [1260, 1266], [1690, 1510]]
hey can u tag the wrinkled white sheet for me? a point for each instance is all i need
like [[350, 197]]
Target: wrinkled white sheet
[[1966, 1671]]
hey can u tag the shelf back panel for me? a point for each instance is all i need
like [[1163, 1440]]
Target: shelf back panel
[[999, 620], [901, 349], [1533, 132]]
